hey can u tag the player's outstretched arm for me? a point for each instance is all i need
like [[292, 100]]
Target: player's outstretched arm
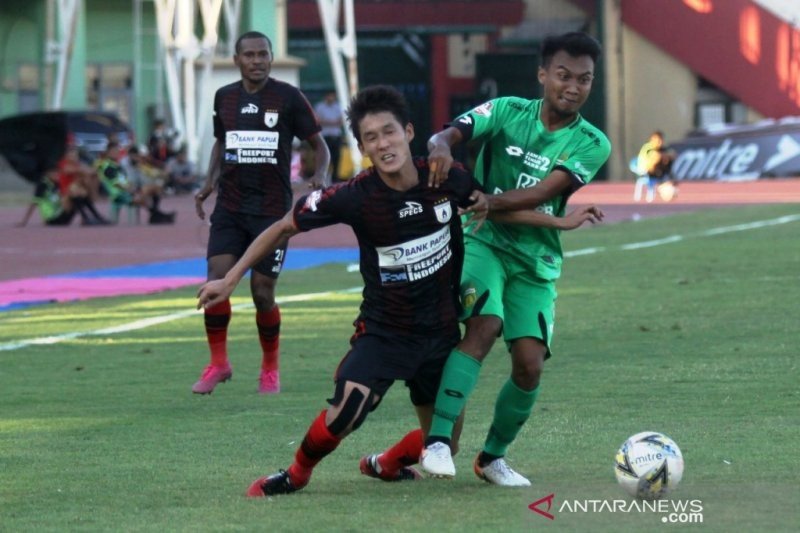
[[214, 292], [574, 219], [440, 157], [579, 215], [556, 183]]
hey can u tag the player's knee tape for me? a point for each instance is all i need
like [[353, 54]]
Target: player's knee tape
[[349, 415]]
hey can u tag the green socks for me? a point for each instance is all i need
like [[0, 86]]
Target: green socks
[[512, 409], [458, 379]]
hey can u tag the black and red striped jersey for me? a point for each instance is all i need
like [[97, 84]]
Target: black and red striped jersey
[[255, 132], [410, 244]]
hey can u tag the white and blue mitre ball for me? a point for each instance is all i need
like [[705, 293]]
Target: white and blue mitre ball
[[648, 465]]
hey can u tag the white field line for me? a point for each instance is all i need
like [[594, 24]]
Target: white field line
[[152, 321], [677, 238], [147, 322]]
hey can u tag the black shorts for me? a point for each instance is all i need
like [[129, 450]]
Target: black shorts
[[378, 356], [231, 234]]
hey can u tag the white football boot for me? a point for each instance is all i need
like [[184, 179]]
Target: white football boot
[[499, 473], [437, 460]]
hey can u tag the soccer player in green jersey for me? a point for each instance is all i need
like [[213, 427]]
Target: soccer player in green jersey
[[534, 153]]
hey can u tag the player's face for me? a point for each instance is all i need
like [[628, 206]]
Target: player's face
[[385, 141], [567, 82], [254, 59]]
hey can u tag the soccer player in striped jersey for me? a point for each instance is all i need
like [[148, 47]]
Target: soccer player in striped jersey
[[255, 121]]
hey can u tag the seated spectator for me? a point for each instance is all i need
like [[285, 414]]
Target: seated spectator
[[57, 209], [144, 171], [159, 145], [136, 189], [181, 175], [654, 166], [77, 179]]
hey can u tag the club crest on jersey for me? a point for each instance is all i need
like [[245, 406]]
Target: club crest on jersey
[[411, 208], [271, 118], [443, 212], [249, 109], [484, 110]]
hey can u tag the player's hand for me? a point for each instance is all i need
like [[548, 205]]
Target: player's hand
[[212, 293], [199, 198], [440, 159], [476, 212], [588, 213]]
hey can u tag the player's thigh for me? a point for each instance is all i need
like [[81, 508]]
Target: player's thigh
[[271, 264], [368, 360], [483, 278], [227, 236], [529, 304]]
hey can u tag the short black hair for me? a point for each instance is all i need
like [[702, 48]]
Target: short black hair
[[251, 35], [377, 99], [574, 43]]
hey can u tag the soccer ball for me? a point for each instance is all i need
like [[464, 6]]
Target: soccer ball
[[648, 465]]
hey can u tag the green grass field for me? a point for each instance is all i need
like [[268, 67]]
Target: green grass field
[[697, 338]]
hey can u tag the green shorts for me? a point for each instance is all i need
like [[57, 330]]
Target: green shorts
[[503, 287]]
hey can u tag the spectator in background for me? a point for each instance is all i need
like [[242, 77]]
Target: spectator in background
[[655, 163], [181, 173], [57, 209], [329, 114], [79, 184], [158, 146], [125, 190], [145, 172]]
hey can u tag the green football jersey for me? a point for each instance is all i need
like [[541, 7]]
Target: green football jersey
[[517, 152]]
